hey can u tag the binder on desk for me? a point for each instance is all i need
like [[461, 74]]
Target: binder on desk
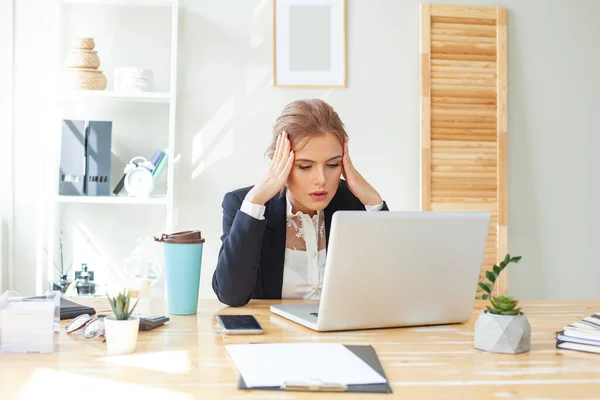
[[365, 353], [68, 309]]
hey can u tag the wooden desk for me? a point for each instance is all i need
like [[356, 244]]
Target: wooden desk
[[187, 359]]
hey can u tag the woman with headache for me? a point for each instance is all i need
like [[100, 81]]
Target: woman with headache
[[275, 233]]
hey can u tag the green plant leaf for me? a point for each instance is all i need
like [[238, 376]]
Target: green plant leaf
[[126, 306], [133, 308], [485, 297], [485, 287], [516, 259], [497, 270], [120, 305], [507, 259], [491, 276], [493, 311], [495, 303]]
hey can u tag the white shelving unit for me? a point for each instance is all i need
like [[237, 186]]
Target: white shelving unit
[[144, 117], [161, 200], [97, 95]]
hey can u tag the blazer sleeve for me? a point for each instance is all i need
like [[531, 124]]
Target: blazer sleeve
[[234, 279]]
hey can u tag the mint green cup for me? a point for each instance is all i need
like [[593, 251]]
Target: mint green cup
[[183, 263]]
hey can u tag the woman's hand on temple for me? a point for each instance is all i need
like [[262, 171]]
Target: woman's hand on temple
[[276, 176], [356, 183]]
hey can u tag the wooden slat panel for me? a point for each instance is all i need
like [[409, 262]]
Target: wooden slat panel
[[464, 137], [463, 91], [465, 64], [463, 100], [443, 10], [460, 206], [442, 36], [458, 112], [440, 144], [464, 82], [463, 168], [463, 119], [483, 31], [463, 57], [441, 106], [502, 145], [425, 104], [463, 48], [464, 21], [436, 74], [468, 201]]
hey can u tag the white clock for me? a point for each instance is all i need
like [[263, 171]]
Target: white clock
[[138, 178]]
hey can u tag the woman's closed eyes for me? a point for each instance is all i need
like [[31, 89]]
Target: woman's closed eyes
[[305, 167]]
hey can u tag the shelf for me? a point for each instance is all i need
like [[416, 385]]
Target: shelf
[[141, 97], [111, 200], [143, 3]]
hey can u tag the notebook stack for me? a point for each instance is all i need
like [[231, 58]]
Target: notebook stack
[[581, 335]]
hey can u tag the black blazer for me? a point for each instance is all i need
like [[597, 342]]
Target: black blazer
[[251, 258]]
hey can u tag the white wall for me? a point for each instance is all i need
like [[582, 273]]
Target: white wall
[[227, 106], [6, 116]]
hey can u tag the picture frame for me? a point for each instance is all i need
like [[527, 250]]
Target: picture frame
[[309, 43]]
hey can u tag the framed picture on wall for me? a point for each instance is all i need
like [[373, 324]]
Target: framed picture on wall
[[309, 43]]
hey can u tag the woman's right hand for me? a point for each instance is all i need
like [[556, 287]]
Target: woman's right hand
[[276, 176]]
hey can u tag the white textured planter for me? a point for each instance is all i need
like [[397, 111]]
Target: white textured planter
[[502, 333], [121, 336]]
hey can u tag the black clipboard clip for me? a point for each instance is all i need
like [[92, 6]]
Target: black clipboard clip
[[314, 386]]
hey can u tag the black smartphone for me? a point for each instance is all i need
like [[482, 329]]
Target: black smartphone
[[150, 322], [239, 325]]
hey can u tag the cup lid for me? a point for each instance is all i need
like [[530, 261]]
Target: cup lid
[[183, 237]]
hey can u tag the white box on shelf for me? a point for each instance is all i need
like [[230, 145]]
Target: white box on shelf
[[133, 79]]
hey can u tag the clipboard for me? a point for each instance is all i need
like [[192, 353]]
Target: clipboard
[[365, 353]]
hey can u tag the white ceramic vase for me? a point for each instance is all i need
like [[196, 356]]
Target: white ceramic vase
[[502, 333], [121, 335]]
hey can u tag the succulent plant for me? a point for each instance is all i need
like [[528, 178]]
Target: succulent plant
[[120, 305], [504, 305]]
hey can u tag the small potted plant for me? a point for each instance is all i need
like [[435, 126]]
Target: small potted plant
[[122, 328], [501, 327]]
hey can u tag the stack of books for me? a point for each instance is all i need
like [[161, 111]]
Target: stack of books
[[581, 335]]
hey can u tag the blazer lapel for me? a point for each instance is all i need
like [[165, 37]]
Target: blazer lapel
[[275, 214]]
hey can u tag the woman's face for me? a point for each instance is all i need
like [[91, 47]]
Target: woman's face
[[315, 176]]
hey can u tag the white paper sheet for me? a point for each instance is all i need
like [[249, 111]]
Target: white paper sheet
[[273, 364]]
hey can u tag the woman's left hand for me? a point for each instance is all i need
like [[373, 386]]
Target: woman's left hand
[[357, 184]]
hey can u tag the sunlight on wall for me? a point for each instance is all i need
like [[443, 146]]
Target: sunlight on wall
[[205, 137], [257, 78], [222, 149], [259, 9]]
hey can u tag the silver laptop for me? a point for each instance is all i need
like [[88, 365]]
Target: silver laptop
[[391, 269]]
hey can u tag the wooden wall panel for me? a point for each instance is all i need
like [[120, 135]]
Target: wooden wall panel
[[464, 117]]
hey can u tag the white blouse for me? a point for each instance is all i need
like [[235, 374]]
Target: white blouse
[[305, 250]]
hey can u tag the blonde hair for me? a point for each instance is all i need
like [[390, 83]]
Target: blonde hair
[[305, 119]]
